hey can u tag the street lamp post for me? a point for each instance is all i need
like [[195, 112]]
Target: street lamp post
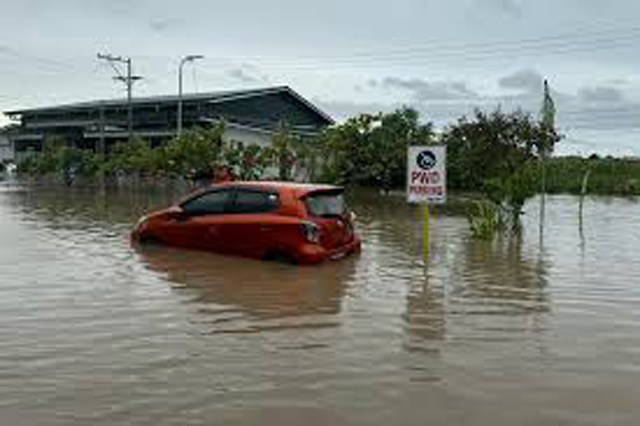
[[184, 60]]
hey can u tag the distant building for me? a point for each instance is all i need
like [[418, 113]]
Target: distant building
[[6, 146], [251, 116]]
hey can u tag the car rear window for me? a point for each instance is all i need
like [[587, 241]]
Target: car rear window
[[326, 203]]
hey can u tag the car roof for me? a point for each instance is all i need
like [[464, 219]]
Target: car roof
[[301, 189]]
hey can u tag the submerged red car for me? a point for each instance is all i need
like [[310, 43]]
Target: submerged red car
[[300, 223]]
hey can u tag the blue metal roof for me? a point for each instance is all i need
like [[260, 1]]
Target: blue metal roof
[[214, 97]]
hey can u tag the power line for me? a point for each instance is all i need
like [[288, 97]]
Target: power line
[[483, 47], [434, 53], [438, 52], [55, 63], [445, 60]]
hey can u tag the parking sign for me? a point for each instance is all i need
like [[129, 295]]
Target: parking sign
[[427, 175]]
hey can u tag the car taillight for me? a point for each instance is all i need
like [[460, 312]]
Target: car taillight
[[311, 232]]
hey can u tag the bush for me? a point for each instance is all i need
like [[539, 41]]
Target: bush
[[60, 159], [608, 175], [193, 153], [247, 162]]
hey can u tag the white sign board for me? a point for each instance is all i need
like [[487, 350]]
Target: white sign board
[[427, 175]]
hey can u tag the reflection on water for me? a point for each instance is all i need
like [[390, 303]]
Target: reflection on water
[[229, 288], [522, 330], [505, 276]]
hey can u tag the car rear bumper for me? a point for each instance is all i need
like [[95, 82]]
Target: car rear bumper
[[313, 253]]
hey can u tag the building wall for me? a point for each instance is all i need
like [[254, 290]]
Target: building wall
[[247, 136], [262, 139], [251, 137], [6, 149]]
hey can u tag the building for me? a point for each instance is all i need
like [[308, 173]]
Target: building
[[250, 116], [6, 147]]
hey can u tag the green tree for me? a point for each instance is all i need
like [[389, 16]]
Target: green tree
[[134, 157], [493, 153], [371, 149], [194, 153], [59, 158]]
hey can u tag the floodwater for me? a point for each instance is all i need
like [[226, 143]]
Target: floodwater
[[537, 330]]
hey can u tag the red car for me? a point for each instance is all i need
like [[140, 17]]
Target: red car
[[267, 220]]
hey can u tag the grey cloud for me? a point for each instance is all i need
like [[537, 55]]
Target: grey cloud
[[620, 81], [439, 114], [570, 116], [249, 66], [451, 101], [600, 94], [342, 110], [239, 74], [527, 80], [510, 8], [244, 76], [119, 7], [162, 25], [423, 90]]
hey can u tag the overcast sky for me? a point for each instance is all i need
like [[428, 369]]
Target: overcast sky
[[349, 56]]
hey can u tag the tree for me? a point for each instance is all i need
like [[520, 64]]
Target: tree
[[194, 153], [371, 149], [134, 156], [493, 153], [58, 157]]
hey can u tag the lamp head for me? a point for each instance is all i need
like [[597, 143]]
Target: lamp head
[[193, 57]]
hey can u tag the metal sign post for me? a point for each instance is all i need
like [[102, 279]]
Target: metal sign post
[[426, 182]]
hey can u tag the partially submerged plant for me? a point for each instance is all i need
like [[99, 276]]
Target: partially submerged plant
[[485, 219]]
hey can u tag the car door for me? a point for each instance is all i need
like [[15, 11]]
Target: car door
[[199, 224], [250, 228]]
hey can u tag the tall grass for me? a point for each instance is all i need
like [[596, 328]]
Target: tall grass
[[485, 219]]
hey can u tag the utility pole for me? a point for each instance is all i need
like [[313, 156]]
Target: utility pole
[[127, 79], [102, 147], [101, 144]]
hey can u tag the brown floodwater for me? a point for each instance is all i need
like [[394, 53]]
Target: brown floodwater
[[536, 330]]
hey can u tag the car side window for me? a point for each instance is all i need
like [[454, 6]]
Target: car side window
[[209, 203], [254, 201]]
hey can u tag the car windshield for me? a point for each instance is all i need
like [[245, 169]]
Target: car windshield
[[326, 204]]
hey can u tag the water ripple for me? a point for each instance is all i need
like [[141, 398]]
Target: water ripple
[[97, 332]]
